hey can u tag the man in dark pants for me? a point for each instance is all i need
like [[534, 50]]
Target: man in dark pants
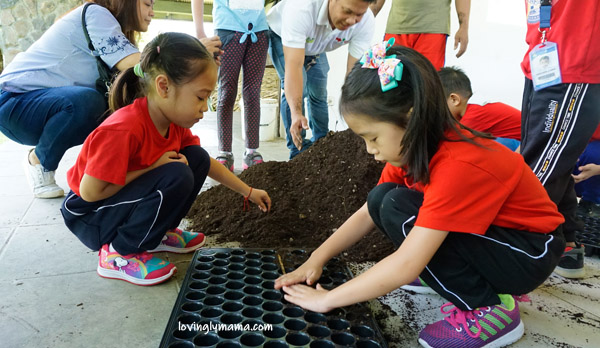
[[558, 120]]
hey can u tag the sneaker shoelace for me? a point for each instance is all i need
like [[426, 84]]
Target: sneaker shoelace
[[48, 177], [142, 256], [44, 177], [457, 318]]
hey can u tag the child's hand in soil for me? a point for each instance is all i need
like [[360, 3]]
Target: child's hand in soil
[[261, 198], [308, 298], [308, 272]]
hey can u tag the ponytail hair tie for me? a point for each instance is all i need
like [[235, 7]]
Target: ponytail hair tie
[[137, 70], [158, 49]]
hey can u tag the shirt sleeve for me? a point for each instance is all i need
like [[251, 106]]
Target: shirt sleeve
[[107, 36], [295, 32], [360, 43], [108, 155]]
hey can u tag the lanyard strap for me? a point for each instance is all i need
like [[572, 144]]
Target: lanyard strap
[[545, 11], [545, 15]]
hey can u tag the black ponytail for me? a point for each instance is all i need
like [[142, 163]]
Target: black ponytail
[[125, 89]]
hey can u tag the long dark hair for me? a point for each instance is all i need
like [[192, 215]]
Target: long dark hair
[[417, 105], [180, 56], [126, 12]]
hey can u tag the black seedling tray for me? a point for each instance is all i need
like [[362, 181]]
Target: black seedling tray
[[590, 236], [235, 286]]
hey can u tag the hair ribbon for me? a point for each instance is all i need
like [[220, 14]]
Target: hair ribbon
[[388, 68]]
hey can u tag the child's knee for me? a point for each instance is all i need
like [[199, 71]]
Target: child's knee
[[181, 178], [198, 159], [377, 194]]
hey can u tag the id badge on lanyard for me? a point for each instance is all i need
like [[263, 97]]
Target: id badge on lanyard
[[246, 4], [543, 58]]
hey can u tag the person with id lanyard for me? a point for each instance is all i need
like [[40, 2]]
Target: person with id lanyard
[[561, 104], [242, 28], [301, 32]]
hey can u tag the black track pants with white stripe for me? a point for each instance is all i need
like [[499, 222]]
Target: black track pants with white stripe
[[557, 123], [137, 217], [470, 270]]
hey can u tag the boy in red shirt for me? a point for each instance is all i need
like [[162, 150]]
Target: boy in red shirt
[[500, 120]]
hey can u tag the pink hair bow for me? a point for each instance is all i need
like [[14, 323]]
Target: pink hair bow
[[388, 68]]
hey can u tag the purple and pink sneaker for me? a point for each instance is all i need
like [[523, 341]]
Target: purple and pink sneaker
[[489, 327]]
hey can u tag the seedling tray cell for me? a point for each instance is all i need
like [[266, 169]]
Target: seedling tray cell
[[227, 293]]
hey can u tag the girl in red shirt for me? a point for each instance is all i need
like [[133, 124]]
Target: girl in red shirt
[[467, 215], [140, 171]]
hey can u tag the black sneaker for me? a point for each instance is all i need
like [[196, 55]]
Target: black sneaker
[[584, 207], [571, 262]]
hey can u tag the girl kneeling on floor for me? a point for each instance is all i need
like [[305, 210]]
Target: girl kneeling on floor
[[468, 216], [140, 171]]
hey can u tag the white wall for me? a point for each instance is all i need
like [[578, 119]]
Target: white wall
[[492, 60]]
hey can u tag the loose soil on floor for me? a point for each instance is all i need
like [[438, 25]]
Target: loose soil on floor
[[312, 195]]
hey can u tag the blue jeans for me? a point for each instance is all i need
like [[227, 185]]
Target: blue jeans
[[53, 119], [315, 89]]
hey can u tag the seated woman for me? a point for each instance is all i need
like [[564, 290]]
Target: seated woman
[[47, 93]]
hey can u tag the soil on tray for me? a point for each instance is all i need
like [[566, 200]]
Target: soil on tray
[[312, 195]]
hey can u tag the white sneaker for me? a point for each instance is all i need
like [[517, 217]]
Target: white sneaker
[[41, 181]]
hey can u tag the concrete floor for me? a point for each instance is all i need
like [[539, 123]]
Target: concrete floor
[[51, 296]]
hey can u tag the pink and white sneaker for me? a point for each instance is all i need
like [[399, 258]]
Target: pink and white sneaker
[[180, 242], [139, 269]]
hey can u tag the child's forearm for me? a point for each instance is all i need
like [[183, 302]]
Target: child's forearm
[[136, 174], [221, 174], [93, 190], [351, 231]]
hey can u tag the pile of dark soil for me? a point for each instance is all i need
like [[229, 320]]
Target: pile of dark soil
[[312, 195]]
